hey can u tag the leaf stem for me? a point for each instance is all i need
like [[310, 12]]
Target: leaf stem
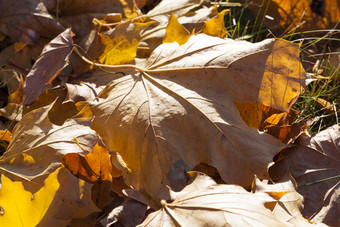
[[77, 52]]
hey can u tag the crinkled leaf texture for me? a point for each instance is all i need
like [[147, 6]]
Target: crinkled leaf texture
[[38, 145], [163, 10], [179, 111], [314, 163], [289, 203], [206, 204]]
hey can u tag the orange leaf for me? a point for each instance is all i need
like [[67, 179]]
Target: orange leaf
[[5, 135], [91, 167]]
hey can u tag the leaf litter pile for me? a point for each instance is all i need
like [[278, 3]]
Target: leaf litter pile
[[112, 117]]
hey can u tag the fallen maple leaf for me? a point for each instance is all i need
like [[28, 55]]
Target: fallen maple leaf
[[52, 60], [283, 127], [217, 205], [314, 163], [95, 166], [27, 20], [178, 111], [288, 205], [19, 207], [122, 214], [38, 145], [121, 43], [15, 111], [86, 87], [71, 201]]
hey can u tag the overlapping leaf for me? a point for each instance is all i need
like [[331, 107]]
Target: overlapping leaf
[[314, 163], [193, 22], [19, 207], [71, 201], [215, 26], [27, 20], [37, 145], [217, 205], [87, 86], [178, 111], [163, 10], [120, 45], [52, 60], [289, 203], [122, 214], [79, 14], [91, 167], [175, 32]]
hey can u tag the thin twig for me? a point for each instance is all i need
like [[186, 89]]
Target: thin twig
[[77, 52]]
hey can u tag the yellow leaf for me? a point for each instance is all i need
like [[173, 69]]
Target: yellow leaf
[[175, 32], [251, 113], [325, 104], [21, 208], [276, 91], [129, 9], [118, 50], [274, 119], [121, 46], [215, 26]]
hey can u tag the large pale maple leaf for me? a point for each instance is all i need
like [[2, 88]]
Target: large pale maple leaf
[[177, 110]]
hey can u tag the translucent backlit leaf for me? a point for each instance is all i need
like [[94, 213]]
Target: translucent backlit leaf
[[215, 26], [175, 32], [118, 50], [20, 207]]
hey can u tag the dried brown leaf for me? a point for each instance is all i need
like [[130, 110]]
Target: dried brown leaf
[[193, 22], [27, 20], [163, 10], [314, 163], [72, 200], [122, 214], [54, 57], [38, 145], [79, 14], [179, 112], [214, 205], [288, 205]]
